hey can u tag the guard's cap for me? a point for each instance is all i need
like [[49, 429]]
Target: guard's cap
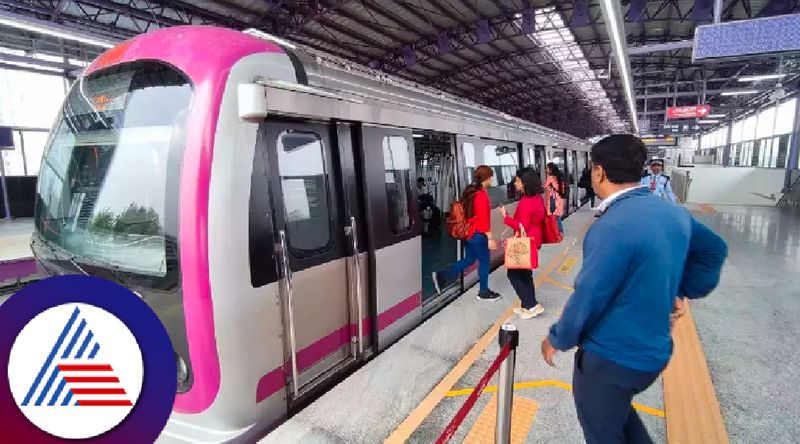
[[659, 162]]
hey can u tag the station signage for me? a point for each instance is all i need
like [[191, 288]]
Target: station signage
[[679, 128], [660, 141], [688, 112]]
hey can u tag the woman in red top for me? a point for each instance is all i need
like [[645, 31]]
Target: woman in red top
[[529, 215], [478, 210]]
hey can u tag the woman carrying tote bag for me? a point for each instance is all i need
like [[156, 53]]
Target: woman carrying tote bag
[[528, 221]]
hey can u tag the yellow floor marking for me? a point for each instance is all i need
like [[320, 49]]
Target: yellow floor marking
[[550, 383], [415, 418], [523, 412], [567, 265], [559, 284], [693, 412]]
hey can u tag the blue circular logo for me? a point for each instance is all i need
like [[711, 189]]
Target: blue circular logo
[[87, 360]]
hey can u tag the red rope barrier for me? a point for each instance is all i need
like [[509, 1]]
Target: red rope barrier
[[451, 428]]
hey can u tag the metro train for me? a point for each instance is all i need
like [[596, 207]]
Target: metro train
[[261, 197]]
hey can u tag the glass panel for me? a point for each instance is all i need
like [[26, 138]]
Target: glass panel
[[782, 150], [736, 135], [102, 187], [766, 123], [304, 183], [34, 148], [785, 122], [12, 159], [30, 99], [469, 161], [397, 177], [749, 129], [763, 152], [504, 160]]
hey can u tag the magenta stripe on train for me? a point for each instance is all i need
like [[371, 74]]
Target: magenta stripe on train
[[275, 380]]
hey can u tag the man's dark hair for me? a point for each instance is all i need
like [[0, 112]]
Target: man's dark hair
[[622, 156]]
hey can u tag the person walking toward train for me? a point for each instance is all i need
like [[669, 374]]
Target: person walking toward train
[[478, 240], [528, 217], [657, 182], [555, 188], [640, 257]]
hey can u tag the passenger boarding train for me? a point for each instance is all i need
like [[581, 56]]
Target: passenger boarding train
[[263, 199]]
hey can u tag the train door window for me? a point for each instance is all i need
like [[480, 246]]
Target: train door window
[[469, 160], [504, 160], [397, 177], [301, 163]]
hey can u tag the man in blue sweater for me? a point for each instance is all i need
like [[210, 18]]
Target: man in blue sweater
[[640, 255]]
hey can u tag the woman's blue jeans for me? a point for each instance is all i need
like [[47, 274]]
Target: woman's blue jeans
[[476, 248]]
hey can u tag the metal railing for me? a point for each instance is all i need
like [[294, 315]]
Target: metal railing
[[792, 196], [504, 363], [681, 181]]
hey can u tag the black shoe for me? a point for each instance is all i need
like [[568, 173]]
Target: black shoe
[[489, 296], [438, 282]]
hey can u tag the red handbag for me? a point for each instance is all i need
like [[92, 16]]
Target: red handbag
[[550, 231]]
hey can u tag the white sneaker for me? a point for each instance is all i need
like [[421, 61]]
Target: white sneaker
[[518, 310], [531, 313]]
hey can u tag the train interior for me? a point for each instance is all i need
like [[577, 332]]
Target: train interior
[[436, 190]]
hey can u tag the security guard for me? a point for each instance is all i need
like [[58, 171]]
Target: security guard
[[658, 183]]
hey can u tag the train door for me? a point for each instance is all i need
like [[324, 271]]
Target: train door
[[310, 219], [394, 229], [436, 190]]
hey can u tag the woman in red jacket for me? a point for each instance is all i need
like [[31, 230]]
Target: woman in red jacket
[[529, 215], [478, 210]]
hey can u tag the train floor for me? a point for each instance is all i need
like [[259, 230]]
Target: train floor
[[732, 378]]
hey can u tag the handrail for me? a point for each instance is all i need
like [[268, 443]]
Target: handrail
[[359, 296], [287, 279]]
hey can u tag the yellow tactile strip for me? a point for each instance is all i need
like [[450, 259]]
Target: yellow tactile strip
[[523, 412], [692, 409]]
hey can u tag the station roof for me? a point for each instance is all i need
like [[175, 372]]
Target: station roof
[[542, 60]]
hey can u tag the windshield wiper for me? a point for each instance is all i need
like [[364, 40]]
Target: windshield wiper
[[75, 264]]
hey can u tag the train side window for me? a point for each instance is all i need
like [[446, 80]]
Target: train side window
[[304, 184], [468, 150], [504, 160], [397, 177]]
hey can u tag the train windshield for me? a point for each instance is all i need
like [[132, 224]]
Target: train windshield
[[107, 191]]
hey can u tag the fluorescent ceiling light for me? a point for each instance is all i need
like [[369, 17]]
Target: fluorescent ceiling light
[[740, 93], [716, 115], [51, 29], [708, 121], [764, 77], [277, 40], [612, 17], [418, 136]]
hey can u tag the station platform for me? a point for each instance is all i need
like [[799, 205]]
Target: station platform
[[17, 265], [731, 377]]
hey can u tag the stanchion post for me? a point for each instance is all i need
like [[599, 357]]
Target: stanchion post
[[505, 387]]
